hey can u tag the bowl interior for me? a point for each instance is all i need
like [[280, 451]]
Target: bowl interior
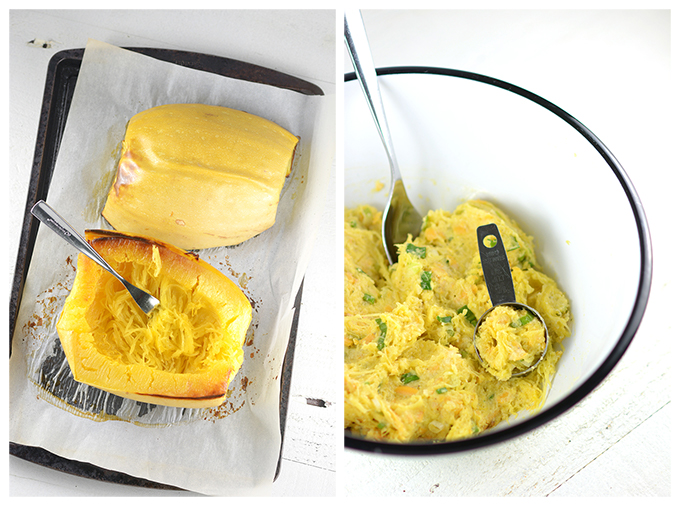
[[457, 139]]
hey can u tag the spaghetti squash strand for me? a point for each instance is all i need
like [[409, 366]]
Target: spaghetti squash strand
[[182, 336]]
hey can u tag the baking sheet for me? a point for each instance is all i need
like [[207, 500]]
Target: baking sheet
[[237, 448]]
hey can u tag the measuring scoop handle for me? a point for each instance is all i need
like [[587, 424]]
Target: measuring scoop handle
[[497, 274]]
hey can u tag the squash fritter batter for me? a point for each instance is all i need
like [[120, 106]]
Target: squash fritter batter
[[510, 341], [411, 372]]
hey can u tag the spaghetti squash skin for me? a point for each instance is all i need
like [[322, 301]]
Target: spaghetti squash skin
[[411, 371], [184, 353], [199, 176]]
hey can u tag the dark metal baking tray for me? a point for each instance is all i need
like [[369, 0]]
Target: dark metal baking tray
[[62, 74]]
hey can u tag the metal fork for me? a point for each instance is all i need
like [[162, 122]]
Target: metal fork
[[56, 223]]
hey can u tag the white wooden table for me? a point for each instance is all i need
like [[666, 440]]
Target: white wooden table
[[298, 43], [611, 70]]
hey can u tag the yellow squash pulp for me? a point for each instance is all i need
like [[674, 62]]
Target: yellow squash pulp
[[199, 176], [509, 341], [411, 370], [184, 353]]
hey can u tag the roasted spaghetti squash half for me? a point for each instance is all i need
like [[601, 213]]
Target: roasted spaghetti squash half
[[176, 156], [184, 353]]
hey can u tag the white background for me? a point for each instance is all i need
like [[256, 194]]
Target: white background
[[610, 69]]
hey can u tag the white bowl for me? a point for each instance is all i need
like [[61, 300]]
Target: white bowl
[[458, 136]]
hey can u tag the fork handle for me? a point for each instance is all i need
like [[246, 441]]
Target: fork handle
[[56, 223]]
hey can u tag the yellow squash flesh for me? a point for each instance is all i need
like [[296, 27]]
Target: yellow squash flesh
[[184, 353], [199, 176]]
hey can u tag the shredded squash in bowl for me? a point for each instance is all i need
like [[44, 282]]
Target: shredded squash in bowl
[[411, 372]]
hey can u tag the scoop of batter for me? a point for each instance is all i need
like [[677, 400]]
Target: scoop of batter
[[510, 340]]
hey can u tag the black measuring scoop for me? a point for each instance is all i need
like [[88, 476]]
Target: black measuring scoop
[[498, 278]]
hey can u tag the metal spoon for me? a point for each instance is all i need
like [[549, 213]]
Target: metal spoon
[[400, 218], [49, 217], [498, 278]]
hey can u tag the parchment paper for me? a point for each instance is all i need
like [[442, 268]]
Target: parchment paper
[[231, 450]]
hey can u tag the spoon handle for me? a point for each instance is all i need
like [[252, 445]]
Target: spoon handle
[[56, 223], [497, 274], [362, 61]]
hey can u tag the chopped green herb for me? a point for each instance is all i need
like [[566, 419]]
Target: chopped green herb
[[442, 390], [369, 298], [469, 315], [514, 245], [523, 320], [383, 332], [490, 241], [382, 425], [417, 251], [353, 224], [426, 280], [409, 377], [444, 319]]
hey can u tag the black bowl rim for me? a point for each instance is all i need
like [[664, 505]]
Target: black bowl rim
[[629, 331]]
